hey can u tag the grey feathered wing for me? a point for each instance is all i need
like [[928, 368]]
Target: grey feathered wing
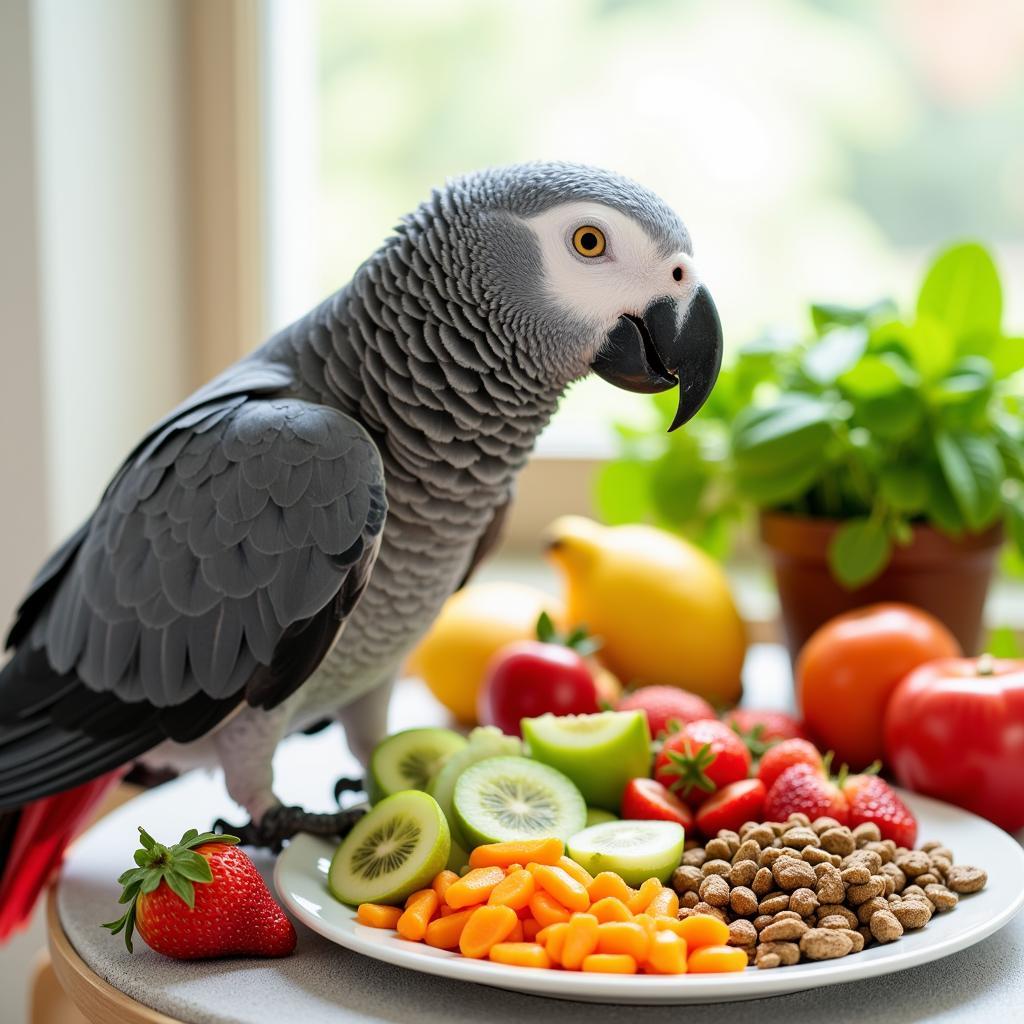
[[219, 566]]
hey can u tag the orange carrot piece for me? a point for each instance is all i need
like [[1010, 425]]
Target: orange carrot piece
[[516, 935], [647, 923], [610, 909], [577, 871], [443, 881], [444, 932], [666, 953], [515, 890], [416, 897], [413, 923], [665, 904], [640, 900], [609, 963], [580, 940], [623, 937], [703, 930], [716, 960], [520, 954], [607, 883], [521, 851], [531, 929], [474, 887], [562, 886], [554, 939], [374, 915], [486, 927], [669, 924], [547, 910]]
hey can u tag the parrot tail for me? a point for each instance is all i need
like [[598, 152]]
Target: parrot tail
[[32, 843]]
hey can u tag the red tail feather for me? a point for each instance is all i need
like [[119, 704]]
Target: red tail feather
[[42, 833]]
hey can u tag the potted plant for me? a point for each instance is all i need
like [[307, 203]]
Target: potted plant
[[883, 453]]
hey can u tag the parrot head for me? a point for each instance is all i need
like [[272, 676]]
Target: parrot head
[[591, 272]]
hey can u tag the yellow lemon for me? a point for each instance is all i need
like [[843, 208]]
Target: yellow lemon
[[661, 607], [473, 625]]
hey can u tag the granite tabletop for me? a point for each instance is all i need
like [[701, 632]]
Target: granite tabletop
[[323, 982]]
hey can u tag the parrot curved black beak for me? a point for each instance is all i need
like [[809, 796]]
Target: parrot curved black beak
[[652, 352]]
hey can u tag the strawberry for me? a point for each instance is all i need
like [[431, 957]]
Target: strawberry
[[873, 799], [230, 912], [648, 799], [701, 758], [667, 707], [805, 789], [731, 806], [784, 755], [761, 730]]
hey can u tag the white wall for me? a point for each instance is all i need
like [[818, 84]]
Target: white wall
[[110, 90]]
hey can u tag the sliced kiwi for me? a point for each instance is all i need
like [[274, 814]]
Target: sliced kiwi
[[395, 849], [504, 798], [409, 760], [635, 850]]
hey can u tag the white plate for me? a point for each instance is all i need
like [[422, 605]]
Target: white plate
[[301, 873]]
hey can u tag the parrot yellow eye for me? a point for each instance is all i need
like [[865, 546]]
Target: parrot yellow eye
[[588, 240]]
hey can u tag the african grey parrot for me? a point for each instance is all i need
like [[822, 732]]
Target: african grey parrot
[[270, 551]]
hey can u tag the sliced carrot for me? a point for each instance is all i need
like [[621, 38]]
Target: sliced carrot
[[703, 930], [418, 895], [374, 915], [554, 940], [515, 890], [666, 953], [610, 909], [716, 960], [639, 901], [521, 851], [665, 904], [474, 887], [443, 881], [446, 910], [580, 940], [609, 963], [531, 929], [562, 886], [413, 923], [547, 910], [607, 883], [623, 937], [486, 927], [520, 954], [445, 932], [577, 871], [647, 923], [516, 935], [670, 924]]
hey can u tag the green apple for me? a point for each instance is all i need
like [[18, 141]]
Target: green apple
[[600, 753], [595, 816]]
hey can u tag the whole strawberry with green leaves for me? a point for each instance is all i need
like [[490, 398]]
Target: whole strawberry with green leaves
[[701, 758], [200, 898]]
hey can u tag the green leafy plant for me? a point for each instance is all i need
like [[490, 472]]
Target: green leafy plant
[[877, 419]]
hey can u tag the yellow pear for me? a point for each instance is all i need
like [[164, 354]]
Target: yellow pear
[[661, 607], [474, 624]]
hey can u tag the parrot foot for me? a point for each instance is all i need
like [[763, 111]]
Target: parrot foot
[[281, 823], [347, 785]]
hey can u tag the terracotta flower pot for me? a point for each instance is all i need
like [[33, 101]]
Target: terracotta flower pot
[[949, 578]]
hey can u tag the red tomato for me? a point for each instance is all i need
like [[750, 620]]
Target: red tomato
[[530, 678], [954, 729], [849, 668], [647, 800]]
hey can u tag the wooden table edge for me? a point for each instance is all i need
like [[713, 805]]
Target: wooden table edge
[[94, 997]]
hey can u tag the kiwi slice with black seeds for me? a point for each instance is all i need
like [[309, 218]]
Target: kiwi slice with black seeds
[[395, 849]]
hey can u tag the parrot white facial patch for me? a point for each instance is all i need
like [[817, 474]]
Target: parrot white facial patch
[[630, 273]]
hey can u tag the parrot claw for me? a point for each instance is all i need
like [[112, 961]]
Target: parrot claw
[[347, 785], [281, 823]]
